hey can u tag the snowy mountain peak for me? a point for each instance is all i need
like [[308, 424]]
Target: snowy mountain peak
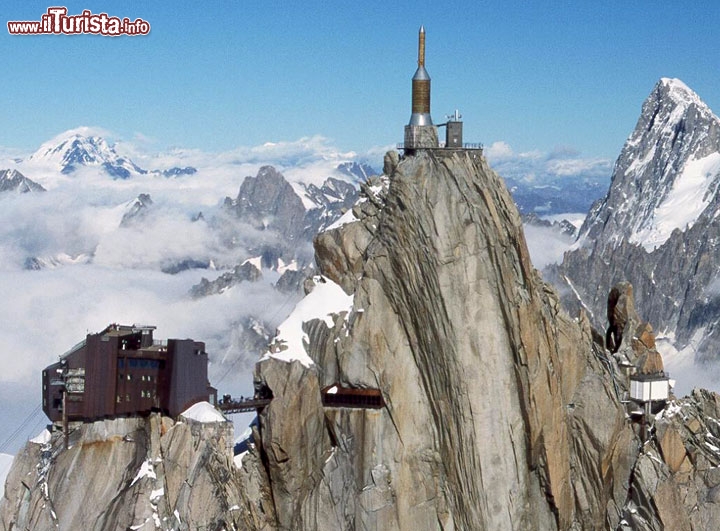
[[666, 174], [14, 181], [659, 225], [680, 92], [72, 150]]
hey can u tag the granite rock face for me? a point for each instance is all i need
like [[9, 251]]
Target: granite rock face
[[501, 412], [676, 479], [126, 474]]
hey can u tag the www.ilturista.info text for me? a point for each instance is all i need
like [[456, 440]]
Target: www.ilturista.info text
[[57, 21]]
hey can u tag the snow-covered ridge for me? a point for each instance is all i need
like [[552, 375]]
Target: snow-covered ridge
[[668, 159], [681, 93], [677, 98], [687, 199], [323, 302], [80, 148], [665, 176]]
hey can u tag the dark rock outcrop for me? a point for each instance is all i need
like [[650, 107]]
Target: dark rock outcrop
[[245, 272], [268, 201], [178, 172], [291, 281]]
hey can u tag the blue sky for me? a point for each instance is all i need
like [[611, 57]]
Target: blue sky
[[217, 75]]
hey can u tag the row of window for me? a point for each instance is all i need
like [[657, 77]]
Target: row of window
[[138, 363], [143, 377], [143, 394]]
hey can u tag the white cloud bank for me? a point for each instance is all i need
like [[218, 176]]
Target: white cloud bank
[[107, 273], [539, 167]]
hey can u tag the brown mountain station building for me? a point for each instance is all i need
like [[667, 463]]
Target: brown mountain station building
[[123, 371]]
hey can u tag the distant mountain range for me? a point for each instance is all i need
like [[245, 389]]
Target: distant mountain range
[[544, 189]]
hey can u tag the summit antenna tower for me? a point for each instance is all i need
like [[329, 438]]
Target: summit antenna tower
[[420, 132]]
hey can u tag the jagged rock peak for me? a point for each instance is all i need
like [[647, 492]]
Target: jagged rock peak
[[245, 272], [628, 337], [268, 201], [136, 210], [294, 211], [497, 406], [666, 173], [14, 181], [680, 92], [659, 224]]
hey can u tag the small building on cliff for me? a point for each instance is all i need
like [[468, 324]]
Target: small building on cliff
[[122, 370], [420, 132]]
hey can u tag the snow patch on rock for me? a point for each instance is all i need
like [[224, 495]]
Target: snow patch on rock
[[203, 412], [347, 217], [147, 470], [687, 199], [42, 438], [325, 300]]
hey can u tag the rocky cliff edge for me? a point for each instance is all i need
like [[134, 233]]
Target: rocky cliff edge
[[129, 473], [500, 412]]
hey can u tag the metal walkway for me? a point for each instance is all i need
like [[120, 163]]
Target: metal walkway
[[230, 407]]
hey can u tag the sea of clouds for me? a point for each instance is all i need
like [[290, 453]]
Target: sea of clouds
[[97, 272]]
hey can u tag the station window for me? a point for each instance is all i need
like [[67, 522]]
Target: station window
[[118, 399], [127, 398]]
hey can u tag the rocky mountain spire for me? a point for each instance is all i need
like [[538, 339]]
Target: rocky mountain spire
[[666, 173], [14, 181], [658, 225], [495, 401]]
